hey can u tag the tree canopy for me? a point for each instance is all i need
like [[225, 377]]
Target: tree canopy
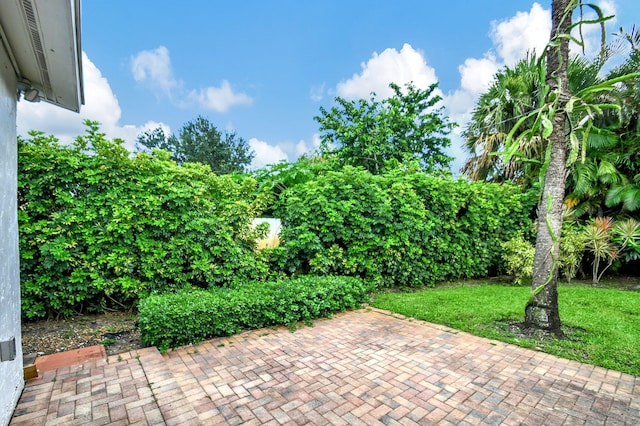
[[199, 141], [376, 133]]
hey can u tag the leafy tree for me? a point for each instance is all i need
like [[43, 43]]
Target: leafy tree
[[200, 142], [375, 134]]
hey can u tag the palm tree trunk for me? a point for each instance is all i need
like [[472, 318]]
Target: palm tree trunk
[[542, 311]]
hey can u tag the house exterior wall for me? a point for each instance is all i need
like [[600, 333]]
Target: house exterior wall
[[11, 374]]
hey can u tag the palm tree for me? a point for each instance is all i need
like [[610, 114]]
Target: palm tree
[[515, 92], [607, 180], [541, 312], [571, 115]]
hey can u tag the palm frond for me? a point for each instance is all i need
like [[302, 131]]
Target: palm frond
[[584, 176], [628, 195], [602, 138], [607, 173]]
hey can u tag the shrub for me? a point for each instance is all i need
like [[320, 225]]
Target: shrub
[[401, 228], [175, 319], [607, 239], [518, 254], [99, 227], [518, 257], [572, 247]]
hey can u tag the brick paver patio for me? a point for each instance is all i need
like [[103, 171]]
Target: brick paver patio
[[365, 367]]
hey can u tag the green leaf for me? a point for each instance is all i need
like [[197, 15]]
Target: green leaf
[[547, 127]]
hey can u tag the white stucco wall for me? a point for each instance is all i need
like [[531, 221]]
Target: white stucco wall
[[11, 375]]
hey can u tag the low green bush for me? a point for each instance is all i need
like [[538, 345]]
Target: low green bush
[[176, 319], [518, 255]]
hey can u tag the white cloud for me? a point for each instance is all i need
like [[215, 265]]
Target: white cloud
[[317, 92], [303, 148], [101, 105], [526, 31], [390, 66], [153, 67], [459, 105], [265, 153], [477, 74], [219, 99], [512, 39]]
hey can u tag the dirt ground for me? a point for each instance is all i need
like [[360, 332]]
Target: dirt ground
[[117, 331]]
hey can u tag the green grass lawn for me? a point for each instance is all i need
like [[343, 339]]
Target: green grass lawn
[[602, 325]]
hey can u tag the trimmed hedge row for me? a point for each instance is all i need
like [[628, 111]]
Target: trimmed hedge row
[[401, 228], [100, 228], [176, 319]]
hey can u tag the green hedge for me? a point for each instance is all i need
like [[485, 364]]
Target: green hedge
[[176, 319], [402, 228], [99, 227]]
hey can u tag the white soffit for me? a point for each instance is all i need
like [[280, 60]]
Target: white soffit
[[44, 38]]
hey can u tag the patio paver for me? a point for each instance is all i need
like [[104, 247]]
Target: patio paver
[[363, 367]]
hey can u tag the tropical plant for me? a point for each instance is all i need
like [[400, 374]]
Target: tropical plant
[[514, 93], [607, 240], [541, 311], [518, 254], [572, 246], [563, 123], [606, 179], [626, 191], [378, 134]]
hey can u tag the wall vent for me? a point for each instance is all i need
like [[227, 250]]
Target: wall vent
[[8, 350], [36, 42]]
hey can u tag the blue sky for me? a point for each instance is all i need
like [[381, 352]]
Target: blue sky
[[264, 68]]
